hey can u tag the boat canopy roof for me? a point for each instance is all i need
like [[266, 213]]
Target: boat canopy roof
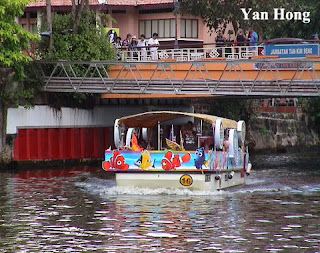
[[150, 119]]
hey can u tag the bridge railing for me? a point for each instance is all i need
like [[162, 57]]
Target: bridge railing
[[190, 54]]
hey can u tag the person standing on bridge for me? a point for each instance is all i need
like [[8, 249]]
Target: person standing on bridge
[[127, 45], [142, 46], [253, 38], [220, 42], [316, 37], [240, 39], [153, 46], [118, 47]]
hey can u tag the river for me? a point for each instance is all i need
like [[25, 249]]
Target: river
[[80, 210]]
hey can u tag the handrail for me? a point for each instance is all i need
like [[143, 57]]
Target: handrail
[[236, 61], [190, 54], [226, 43]]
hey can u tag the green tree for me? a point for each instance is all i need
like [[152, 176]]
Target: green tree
[[14, 42], [218, 13], [88, 42], [14, 39]]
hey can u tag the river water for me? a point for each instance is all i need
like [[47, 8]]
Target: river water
[[80, 210]]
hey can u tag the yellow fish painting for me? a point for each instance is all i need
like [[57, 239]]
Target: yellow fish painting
[[144, 162]]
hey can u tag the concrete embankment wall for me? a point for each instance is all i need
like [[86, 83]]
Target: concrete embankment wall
[[43, 133], [279, 131]]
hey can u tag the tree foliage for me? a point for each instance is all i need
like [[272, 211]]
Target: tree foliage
[[89, 42], [217, 14], [14, 39]]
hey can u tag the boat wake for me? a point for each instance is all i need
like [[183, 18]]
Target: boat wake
[[105, 187]]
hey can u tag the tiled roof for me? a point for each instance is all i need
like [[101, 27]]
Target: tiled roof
[[42, 3]]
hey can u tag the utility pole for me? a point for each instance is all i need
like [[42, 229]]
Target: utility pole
[[49, 22]]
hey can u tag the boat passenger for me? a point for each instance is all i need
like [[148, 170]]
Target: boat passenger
[[143, 144], [189, 137], [226, 145]]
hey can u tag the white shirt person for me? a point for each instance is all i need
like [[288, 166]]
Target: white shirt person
[[153, 44], [142, 46]]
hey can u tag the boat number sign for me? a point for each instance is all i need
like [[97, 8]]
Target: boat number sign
[[186, 180]]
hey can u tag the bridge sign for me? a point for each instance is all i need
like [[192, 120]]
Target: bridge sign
[[291, 50]]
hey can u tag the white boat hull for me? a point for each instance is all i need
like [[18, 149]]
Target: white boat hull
[[180, 180]]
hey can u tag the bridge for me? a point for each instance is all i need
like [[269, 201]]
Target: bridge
[[171, 76]]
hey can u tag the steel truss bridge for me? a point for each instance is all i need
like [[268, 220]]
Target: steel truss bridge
[[250, 77]]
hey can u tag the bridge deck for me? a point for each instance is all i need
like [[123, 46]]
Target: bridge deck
[[254, 77]]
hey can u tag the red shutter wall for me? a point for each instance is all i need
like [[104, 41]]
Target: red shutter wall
[[61, 143]]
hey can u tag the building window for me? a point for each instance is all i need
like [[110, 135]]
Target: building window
[[33, 28], [189, 28], [166, 28]]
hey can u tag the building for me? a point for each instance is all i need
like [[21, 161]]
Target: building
[[135, 17]]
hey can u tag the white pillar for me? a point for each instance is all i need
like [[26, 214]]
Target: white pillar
[[39, 21]]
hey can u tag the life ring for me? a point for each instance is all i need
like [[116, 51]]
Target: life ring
[[241, 129], [233, 143], [218, 134], [145, 134], [130, 131], [116, 133]]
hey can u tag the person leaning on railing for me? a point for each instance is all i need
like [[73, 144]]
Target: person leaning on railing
[[253, 38], [118, 46], [127, 44], [220, 42], [240, 39]]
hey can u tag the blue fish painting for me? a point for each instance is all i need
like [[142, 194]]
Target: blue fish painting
[[200, 158]]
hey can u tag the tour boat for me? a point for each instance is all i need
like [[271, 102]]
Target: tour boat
[[218, 160]]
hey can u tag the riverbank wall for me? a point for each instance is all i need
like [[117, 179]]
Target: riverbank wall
[[46, 135], [43, 134], [280, 131]]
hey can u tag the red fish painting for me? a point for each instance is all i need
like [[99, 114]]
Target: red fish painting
[[172, 161], [116, 161]]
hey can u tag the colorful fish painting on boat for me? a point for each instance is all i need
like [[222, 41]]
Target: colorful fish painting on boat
[[145, 161], [172, 161], [116, 161], [201, 159]]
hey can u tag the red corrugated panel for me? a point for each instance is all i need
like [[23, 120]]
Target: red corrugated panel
[[44, 143], [76, 143], [22, 144], [32, 137], [61, 143]]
